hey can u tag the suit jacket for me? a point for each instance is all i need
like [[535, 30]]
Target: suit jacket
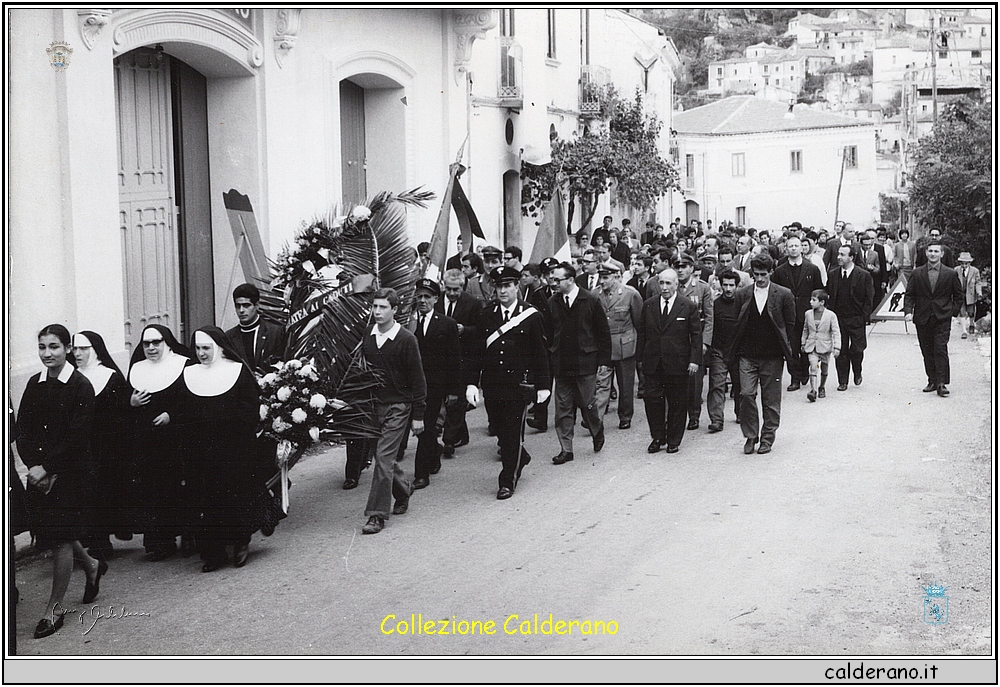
[[623, 307], [454, 262], [583, 281], [667, 343], [897, 251], [822, 336], [634, 283], [622, 253], [269, 349], [514, 357], [701, 295], [440, 353], [862, 291], [943, 303], [972, 285], [584, 331], [780, 310], [833, 247], [466, 314], [809, 279]]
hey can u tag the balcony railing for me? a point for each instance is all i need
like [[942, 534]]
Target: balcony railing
[[509, 83], [593, 85]]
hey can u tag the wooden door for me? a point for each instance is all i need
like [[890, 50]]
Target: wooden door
[[352, 143], [146, 193]]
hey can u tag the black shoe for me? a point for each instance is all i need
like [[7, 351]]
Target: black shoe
[[749, 446], [462, 443], [213, 564], [241, 553], [811, 396], [599, 441], [436, 469], [447, 450], [401, 507], [654, 446], [91, 591], [625, 424], [374, 525], [764, 448], [563, 457], [188, 545], [857, 379], [162, 553], [350, 483], [638, 394], [46, 627], [504, 493], [943, 391], [541, 426], [714, 427], [931, 386], [673, 449], [491, 431], [794, 386], [524, 461], [822, 392], [842, 387], [123, 536], [421, 483], [693, 424]]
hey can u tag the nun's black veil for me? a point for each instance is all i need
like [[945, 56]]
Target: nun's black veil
[[220, 338], [101, 350], [139, 355]]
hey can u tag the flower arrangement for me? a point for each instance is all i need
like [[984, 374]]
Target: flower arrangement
[[294, 407], [312, 258]]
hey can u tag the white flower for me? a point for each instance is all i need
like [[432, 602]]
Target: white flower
[[278, 365], [299, 416], [305, 371], [314, 433], [309, 267], [268, 379], [303, 242], [284, 393], [294, 363], [263, 412], [360, 214], [324, 253], [279, 425], [337, 404], [318, 401]]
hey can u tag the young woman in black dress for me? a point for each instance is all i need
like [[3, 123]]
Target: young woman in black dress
[[54, 426], [157, 403], [107, 442]]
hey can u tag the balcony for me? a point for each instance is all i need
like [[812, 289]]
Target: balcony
[[509, 82], [593, 87]]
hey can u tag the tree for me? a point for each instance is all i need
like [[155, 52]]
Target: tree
[[951, 185], [624, 154]]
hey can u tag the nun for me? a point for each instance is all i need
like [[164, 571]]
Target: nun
[[157, 401], [224, 413], [107, 443]]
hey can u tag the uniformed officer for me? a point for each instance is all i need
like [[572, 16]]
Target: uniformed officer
[[512, 368]]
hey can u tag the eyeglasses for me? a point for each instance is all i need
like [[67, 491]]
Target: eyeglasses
[[559, 279], [760, 274], [589, 260], [152, 342], [508, 257]]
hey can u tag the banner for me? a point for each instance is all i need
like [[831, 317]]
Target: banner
[[551, 239], [454, 199]]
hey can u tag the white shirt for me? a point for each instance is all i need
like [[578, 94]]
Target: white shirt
[[572, 295], [848, 270], [760, 297], [667, 304], [426, 322], [592, 281], [508, 313], [381, 338]]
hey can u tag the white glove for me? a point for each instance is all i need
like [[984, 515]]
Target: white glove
[[542, 395], [472, 395]]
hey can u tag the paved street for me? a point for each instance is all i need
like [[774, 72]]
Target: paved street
[[821, 547]]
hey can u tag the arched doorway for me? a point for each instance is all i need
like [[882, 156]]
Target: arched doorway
[[164, 186], [372, 135]]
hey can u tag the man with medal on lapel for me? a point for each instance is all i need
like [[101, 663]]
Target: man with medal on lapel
[[513, 370]]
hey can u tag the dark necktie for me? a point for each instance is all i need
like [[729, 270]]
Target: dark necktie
[[844, 274], [567, 302], [451, 309], [506, 316]]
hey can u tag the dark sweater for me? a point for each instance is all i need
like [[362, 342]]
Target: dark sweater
[[398, 364], [725, 323], [760, 340]]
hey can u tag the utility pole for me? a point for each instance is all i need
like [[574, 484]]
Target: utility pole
[[934, 38]]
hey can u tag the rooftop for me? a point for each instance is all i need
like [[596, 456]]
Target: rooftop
[[743, 114]]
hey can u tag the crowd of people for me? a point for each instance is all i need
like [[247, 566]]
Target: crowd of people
[[172, 449]]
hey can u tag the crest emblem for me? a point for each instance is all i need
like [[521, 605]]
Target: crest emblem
[[59, 52], [935, 604]]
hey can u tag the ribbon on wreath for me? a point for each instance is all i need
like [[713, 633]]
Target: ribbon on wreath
[[285, 450]]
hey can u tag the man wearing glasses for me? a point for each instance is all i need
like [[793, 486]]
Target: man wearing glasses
[[764, 326], [512, 258], [590, 280]]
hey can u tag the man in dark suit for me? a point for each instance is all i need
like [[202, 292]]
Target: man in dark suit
[[580, 348], [510, 367], [875, 262], [441, 357], [846, 238], [947, 256], [852, 296], [669, 345], [463, 307], [539, 419], [455, 261], [259, 343], [934, 295], [764, 324], [801, 277], [590, 280]]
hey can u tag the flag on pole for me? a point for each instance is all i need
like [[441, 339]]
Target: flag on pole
[[551, 239], [454, 199]]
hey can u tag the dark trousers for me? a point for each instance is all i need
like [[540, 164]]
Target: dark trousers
[[696, 384], [625, 371], [765, 373], [717, 372], [933, 338], [507, 414], [456, 431], [665, 398], [428, 458], [853, 343], [798, 366], [359, 453]]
